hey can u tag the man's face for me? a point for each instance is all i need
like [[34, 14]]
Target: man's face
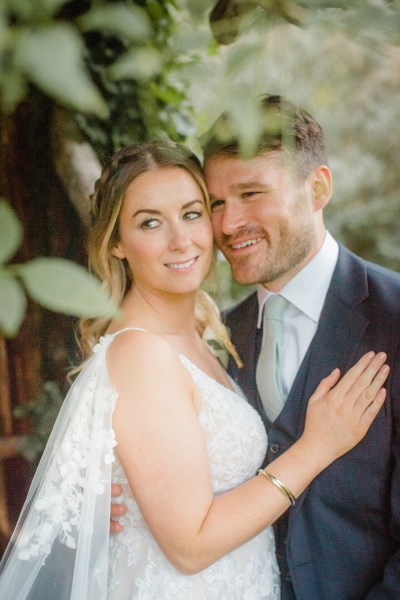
[[263, 217]]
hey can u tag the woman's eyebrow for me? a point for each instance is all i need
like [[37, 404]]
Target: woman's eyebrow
[[153, 211]]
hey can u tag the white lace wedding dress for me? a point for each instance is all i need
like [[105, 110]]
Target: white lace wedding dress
[[236, 444], [61, 548]]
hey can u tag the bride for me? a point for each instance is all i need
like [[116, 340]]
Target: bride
[[153, 410]]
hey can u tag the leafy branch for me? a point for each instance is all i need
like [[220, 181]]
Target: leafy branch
[[55, 283]]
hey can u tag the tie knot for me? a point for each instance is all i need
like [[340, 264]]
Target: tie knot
[[275, 307]]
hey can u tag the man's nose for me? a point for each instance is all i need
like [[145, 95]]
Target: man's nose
[[233, 217]]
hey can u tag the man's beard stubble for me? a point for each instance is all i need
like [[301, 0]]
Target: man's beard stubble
[[283, 256]]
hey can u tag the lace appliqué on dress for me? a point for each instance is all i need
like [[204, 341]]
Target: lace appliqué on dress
[[88, 439], [61, 547], [236, 444]]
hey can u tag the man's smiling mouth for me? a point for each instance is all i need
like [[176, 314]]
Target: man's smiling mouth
[[245, 244]]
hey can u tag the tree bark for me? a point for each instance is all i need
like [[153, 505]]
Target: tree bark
[[44, 349]]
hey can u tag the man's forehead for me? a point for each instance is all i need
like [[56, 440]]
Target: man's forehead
[[219, 158], [242, 173]]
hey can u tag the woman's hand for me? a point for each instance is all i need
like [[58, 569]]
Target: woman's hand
[[340, 413], [193, 527]]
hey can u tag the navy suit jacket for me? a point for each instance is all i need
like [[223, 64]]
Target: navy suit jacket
[[341, 541]]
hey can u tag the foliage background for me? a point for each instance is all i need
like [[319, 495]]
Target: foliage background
[[135, 71], [81, 78]]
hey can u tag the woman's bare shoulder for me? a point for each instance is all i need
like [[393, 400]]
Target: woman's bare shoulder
[[145, 355]]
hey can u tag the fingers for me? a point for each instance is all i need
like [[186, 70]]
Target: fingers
[[117, 510], [369, 382], [360, 376], [371, 370], [373, 408], [378, 381], [354, 373], [115, 527], [325, 385], [359, 386], [116, 490]]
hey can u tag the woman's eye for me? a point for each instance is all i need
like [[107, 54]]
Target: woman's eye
[[192, 214], [149, 224]]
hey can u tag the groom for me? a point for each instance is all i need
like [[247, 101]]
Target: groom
[[341, 541]]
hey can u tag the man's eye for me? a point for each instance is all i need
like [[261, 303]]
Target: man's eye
[[249, 194], [149, 223], [192, 214], [216, 204]]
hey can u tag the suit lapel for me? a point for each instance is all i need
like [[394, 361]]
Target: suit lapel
[[336, 342], [242, 324], [342, 323]]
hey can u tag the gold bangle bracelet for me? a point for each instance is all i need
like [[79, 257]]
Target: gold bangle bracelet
[[281, 486]]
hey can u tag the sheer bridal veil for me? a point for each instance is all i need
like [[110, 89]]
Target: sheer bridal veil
[[59, 549]]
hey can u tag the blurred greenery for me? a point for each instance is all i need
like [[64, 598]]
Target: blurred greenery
[[340, 61], [138, 70], [132, 71], [55, 283]]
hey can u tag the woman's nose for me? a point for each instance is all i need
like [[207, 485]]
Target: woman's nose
[[179, 237]]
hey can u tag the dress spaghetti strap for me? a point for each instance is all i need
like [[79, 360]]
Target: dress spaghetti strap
[[127, 329]]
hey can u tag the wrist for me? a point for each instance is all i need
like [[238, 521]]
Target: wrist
[[319, 454]]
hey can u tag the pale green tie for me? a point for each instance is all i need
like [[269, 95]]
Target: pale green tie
[[268, 372]]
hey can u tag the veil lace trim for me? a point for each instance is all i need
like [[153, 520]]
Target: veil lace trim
[[59, 548]]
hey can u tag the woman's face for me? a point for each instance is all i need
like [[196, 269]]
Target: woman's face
[[165, 232]]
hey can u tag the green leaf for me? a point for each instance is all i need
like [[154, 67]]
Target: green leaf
[[52, 57], [138, 63], [31, 11], [10, 232], [245, 116], [168, 95], [13, 89], [12, 304], [63, 286], [215, 346], [197, 12], [4, 27], [189, 40], [240, 58], [130, 22]]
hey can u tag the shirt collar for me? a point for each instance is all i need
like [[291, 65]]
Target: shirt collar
[[307, 290]]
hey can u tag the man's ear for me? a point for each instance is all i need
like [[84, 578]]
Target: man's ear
[[118, 251], [321, 185]]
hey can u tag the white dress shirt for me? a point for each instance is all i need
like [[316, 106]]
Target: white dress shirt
[[306, 294]]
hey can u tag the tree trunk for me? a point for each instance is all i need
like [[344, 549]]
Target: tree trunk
[[44, 348]]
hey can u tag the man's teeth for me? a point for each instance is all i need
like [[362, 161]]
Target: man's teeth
[[185, 265], [244, 244]]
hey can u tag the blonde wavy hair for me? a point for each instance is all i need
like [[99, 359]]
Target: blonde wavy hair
[[125, 166]]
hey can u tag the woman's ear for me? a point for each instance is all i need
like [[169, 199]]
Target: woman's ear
[[321, 185], [118, 251]]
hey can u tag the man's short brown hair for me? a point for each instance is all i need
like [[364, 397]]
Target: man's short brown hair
[[287, 128]]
